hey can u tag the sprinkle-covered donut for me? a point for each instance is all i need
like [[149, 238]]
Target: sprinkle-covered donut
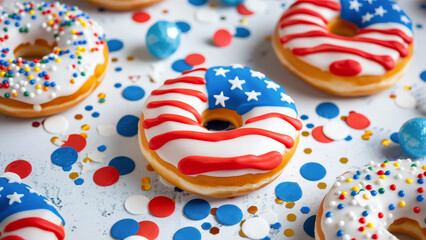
[[345, 47], [25, 214], [219, 163], [123, 5], [375, 202], [52, 56]]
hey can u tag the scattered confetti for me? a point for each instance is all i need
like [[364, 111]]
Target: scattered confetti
[[252, 209], [183, 26], [161, 206], [305, 210], [106, 176], [206, 15], [404, 99], [206, 226], [222, 38], [289, 232], [335, 130], [124, 228], [270, 216], [115, 45], [20, 167], [197, 2], [242, 32], [123, 164], [288, 191], [148, 230], [180, 66], [137, 204], [318, 134], [241, 8], [255, 228], [195, 59], [313, 171], [327, 110], [127, 126], [229, 214], [357, 121], [56, 124], [187, 233], [141, 17], [197, 209], [64, 157], [133, 93], [75, 141], [309, 226], [106, 130], [394, 137]]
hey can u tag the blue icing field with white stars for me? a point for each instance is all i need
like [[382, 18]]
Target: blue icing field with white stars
[[364, 13], [241, 89]]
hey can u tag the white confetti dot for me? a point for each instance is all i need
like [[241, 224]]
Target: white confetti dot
[[270, 216], [106, 130], [206, 15], [404, 99], [56, 124], [336, 130], [255, 228], [137, 204], [136, 237]]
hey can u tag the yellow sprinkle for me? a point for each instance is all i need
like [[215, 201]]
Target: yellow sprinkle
[[343, 118], [243, 21], [58, 60], [30, 77], [85, 127], [83, 135], [27, 69], [370, 225], [279, 201], [344, 193], [349, 180], [11, 60], [73, 32], [386, 142], [402, 204], [288, 232], [365, 137], [38, 86], [83, 49], [87, 160], [2, 73], [51, 22], [74, 175], [368, 132], [355, 188], [322, 185], [307, 150], [382, 177], [37, 69], [291, 217], [424, 167], [46, 89], [289, 204], [407, 87], [344, 160], [365, 196], [305, 134], [396, 164], [15, 95], [145, 180], [101, 95], [53, 140], [252, 209], [31, 12], [146, 187], [409, 181], [78, 53]]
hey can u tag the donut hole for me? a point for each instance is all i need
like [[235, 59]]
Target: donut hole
[[221, 119], [407, 229], [341, 27], [30, 51]]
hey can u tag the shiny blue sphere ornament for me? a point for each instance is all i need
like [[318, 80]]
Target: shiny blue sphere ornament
[[232, 2], [412, 137], [163, 39]]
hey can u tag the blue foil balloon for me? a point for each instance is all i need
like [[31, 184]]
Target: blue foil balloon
[[163, 39], [412, 137], [232, 2]]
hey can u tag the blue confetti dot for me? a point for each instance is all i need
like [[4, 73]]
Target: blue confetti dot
[[183, 26], [288, 191], [197, 2], [304, 117], [133, 93], [197, 209], [313, 171], [423, 76], [89, 108], [242, 32], [67, 168], [117, 85], [64, 157], [310, 125], [266, 238], [305, 210], [79, 181], [124, 228], [276, 225], [180, 66], [309, 226], [187, 233], [102, 148], [127, 126], [114, 45], [206, 226], [327, 110], [123, 164], [229, 214], [95, 114], [394, 137], [348, 138], [118, 69]]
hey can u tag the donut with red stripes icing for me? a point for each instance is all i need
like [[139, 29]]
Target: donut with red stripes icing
[[173, 123], [25, 214], [383, 36]]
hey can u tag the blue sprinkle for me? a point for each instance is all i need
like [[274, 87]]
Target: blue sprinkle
[[118, 69], [368, 177], [304, 117], [339, 233], [276, 225], [288, 191], [114, 45], [229, 214], [242, 32], [124, 228], [95, 114], [206, 226], [328, 214], [341, 206], [180, 66], [102, 148], [373, 193], [64, 157], [327, 110], [392, 206], [420, 198], [421, 180], [89, 108], [419, 26], [79, 181], [365, 213], [309, 226], [197, 209], [127, 126], [133, 93], [313, 171], [348, 138], [266, 238], [394, 137], [123, 164], [67, 168], [387, 172], [117, 85], [197, 2], [401, 193], [187, 233], [183, 26], [310, 125], [178, 189], [305, 210]]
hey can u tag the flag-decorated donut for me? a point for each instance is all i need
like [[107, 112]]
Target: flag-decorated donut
[[25, 214], [219, 163], [52, 56], [345, 47], [123, 5]]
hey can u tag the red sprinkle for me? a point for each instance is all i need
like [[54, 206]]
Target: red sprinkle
[[361, 229], [381, 215], [393, 187], [141, 17], [381, 172], [375, 236], [318, 135], [362, 220], [75, 141], [416, 209], [357, 121], [420, 190], [195, 59], [35, 124], [148, 230], [106, 176], [369, 187], [21, 167], [241, 8], [161, 206], [222, 38]]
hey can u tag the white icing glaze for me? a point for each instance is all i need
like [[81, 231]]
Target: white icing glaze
[[60, 68], [325, 59], [175, 150], [350, 218]]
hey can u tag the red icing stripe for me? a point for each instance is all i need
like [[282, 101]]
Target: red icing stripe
[[345, 68], [396, 32], [161, 139], [395, 45], [194, 70], [386, 61], [304, 11], [187, 79], [178, 104], [297, 21], [296, 123], [12, 237], [183, 91], [327, 4], [37, 223], [152, 122], [200, 164]]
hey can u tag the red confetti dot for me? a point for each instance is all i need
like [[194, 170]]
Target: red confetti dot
[[141, 17], [195, 59], [357, 121], [318, 135], [21, 167], [106, 176], [148, 230], [222, 38], [161, 206], [241, 8], [75, 141], [35, 124]]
